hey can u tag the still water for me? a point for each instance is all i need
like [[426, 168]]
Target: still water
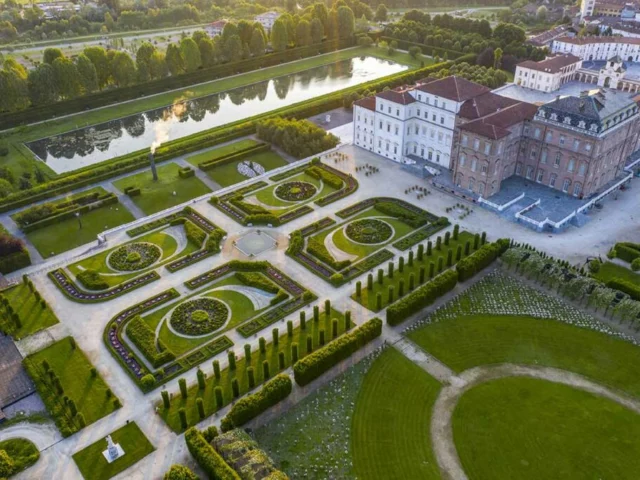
[[96, 143]]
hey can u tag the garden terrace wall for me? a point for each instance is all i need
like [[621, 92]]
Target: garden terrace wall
[[198, 141], [315, 364], [75, 293], [106, 97]]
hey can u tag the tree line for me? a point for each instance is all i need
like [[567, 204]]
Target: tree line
[[59, 77]]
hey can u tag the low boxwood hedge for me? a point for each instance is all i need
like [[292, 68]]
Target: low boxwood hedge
[[257, 280], [625, 286], [194, 233], [421, 297], [207, 457], [627, 251], [312, 366], [234, 156], [92, 280], [251, 406]]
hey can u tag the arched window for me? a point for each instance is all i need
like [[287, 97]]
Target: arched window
[[577, 189], [474, 164]]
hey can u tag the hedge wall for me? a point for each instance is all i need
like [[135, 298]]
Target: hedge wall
[[106, 97], [15, 261], [209, 460], [425, 49], [251, 406], [627, 251], [145, 339], [312, 366], [421, 297], [625, 286], [480, 259], [240, 155]]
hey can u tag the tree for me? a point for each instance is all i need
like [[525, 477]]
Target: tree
[[257, 44], [508, 33], [50, 54], [245, 30], [541, 13], [66, 77], [174, 60], [180, 472], [381, 13], [414, 51], [303, 34], [87, 74], [123, 70], [191, 54], [486, 58], [207, 54], [143, 61], [317, 31], [497, 58], [319, 11], [233, 48], [7, 465], [279, 39], [98, 57], [158, 65], [14, 86], [346, 22], [229, 30], [42, 85], [291, 5]]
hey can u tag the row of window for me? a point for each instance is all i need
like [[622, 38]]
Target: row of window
[[474, 164], [562, 140], [577, 187], [571, 166], [476, 145]]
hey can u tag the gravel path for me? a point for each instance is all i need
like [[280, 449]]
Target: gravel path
[[441, 426], [43, 435], [339, 255]]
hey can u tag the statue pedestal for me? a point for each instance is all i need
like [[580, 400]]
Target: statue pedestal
[[113, 453]]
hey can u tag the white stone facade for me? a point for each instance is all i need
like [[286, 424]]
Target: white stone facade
[[267, 19], [599, 48]]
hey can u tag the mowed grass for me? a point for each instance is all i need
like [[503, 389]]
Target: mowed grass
[[466, 342], [220, 152], [32, 316], [268, 196], [73, 369], [271, 355], [94, 466], [390, 428], [608, 271], [68, 234], [532, 429], [228, 174], [22, 452], [158, 196]]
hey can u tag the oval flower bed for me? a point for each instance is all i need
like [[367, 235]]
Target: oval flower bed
[[134, 256], [199, 317], [295, 191], [369, 230]]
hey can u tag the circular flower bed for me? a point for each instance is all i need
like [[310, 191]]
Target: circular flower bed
[[134, 256], [295, 191], [199, 317], [369, 230]]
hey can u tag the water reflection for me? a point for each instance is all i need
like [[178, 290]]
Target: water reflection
[[76, 149]]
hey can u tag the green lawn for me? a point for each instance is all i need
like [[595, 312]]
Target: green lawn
[[267, 195], [368, 298], [271, 355], [32, 316], [390, 428], [157, 196], [469, 341], [67, 234], [220, 152], [94, 466], [228, 174], [22, 452], [73, 369], [609, 271], [527, 428]]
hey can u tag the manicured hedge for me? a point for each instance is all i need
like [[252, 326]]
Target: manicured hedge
[[426, 49], [257, 280], [312, 366], [627, 251], [253, 405], [480, 259], [194, 233], [15, 261], [421, 297], [209, 460], [625, 286], [239, 155], [92, 280], [145, 339], [327, 177]]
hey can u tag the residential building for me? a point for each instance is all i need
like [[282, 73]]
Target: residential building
[[267, 19], [547, 75], [215, 28], [599, 48], [544, 39]]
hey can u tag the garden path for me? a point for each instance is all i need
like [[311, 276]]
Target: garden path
[[338, 254], [125, 200], [441, 417], [43, 435]]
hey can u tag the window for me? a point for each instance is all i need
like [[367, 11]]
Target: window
[[379, 143], [430, 157], [465, 140], [435, 102], [396, 130], [548, 137], [417, 130], [433, 117], [415, 148], [387, 147], [536, 133], [587, 147], [565, 185], [389, 109], [572, 165], [543, 156], [474, 165], [484, 168], [529, 172], [576, 145], [444, 105], [381, 124], [556, 163], [432, 133], [419, 98], [418, 112], [518, 168], [577, 189], [463, 159], [499, 148], [476, 144], [439, 137], [358, 117], [397, 112], [388, 127], [561, 139], [471, 184], [395, 149], [533, 154], [540, 176], [582, 169], [381, 106], [526, 129], [552, 180], [487, 148], [441, 120]]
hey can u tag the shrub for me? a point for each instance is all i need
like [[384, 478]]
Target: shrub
[[635, 265], [421, 297], [252, 405], [627, 251], [194, 233], [481, 258], [147, 381], [257, 280], [179, 472], [318, 362], [92, 280], [207, 457], [300, 138], [144, 338], [327, 177], [625, 286]]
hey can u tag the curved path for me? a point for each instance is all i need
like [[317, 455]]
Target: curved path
[[441, 428], [43, 435]]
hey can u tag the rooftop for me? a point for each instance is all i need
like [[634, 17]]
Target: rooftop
[[367, 102], [496, 125], [399, 95], [551, 64], [453, 88], [591, 40]]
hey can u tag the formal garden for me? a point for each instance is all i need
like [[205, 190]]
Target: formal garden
[[236, 162], [24, 311], [287, 195], [175, 241], [94, 466], [338, 252]]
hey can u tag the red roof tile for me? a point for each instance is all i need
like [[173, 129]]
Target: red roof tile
[[453, 88], [367, 102], [551, 65]]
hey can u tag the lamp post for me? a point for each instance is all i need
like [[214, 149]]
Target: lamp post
[[79, 221]]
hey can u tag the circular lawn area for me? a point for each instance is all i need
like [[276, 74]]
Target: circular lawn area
[[134, 256], [369, 231], [199, 317], [295, 191]]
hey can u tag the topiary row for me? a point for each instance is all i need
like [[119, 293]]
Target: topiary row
[[257, 280], [312, 366], [207, 457], [92, 280], [480, 259]]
